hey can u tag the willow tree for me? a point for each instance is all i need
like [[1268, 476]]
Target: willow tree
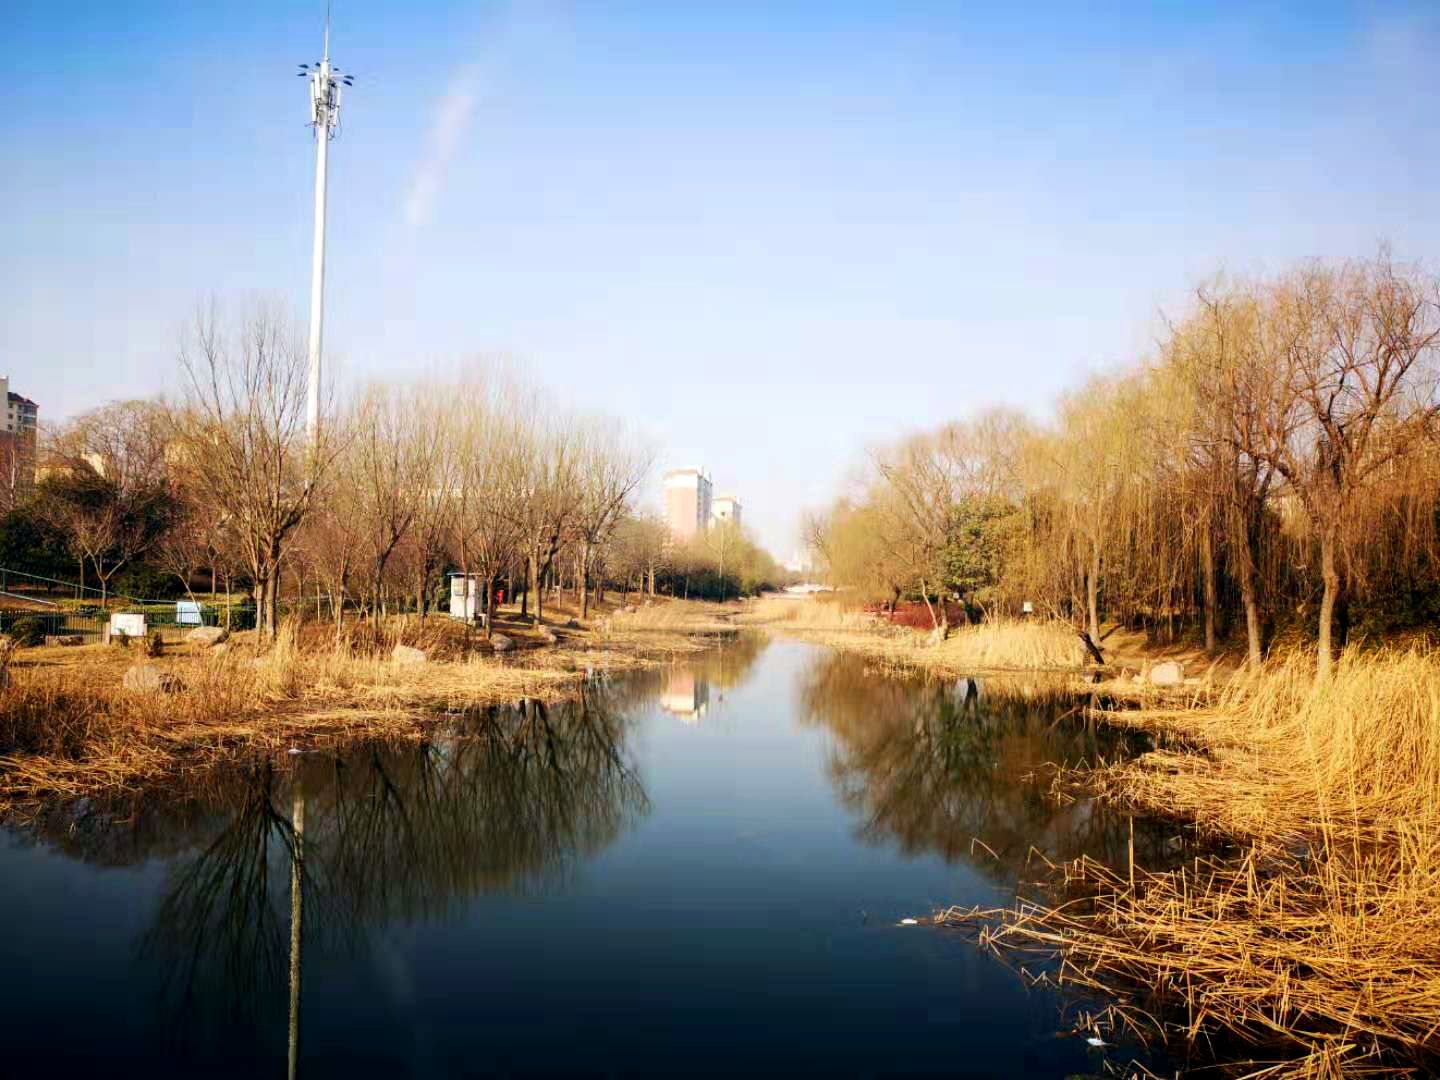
[[1232, 355], [1089, 463]]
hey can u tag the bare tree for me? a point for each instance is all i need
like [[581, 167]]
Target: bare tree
[[610, 468], [395, 445], [109, 493], [240, 432], [1360, 344]]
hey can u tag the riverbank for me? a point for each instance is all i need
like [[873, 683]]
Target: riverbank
[[1314, 948], [69, 725]]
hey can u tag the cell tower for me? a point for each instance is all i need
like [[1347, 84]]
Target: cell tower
[[326, 83]]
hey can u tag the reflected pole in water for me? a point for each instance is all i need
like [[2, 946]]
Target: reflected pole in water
[[297, 871]]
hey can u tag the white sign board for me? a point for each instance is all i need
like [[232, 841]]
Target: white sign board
[[187, 613], [131, 625], [1029, 608]]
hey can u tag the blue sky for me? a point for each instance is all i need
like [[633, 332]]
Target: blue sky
[[770, 232]]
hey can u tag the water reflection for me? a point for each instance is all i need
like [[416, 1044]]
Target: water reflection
[[509, 799], [686, 695], [687, 687], [959, 768], [317, 883]]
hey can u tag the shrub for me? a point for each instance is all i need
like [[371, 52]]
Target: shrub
[[154, 644], [28, 631]]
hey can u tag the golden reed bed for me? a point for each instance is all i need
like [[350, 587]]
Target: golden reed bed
[[1316, 950]]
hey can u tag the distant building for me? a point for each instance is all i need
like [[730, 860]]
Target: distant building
[[727, 509], [801, 562], [17, 440], [687, 503]]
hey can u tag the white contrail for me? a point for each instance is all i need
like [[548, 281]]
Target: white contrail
[[447, 130]]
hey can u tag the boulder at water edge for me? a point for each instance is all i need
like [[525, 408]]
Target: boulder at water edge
[[207, 636], [149, 679], [1169, 673], [501, 643], [405, 654]]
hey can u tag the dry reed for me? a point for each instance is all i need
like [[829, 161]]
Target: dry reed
[[995, 645], [1319, 946]]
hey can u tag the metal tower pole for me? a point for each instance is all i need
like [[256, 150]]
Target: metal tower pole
[[317, 270], [326, 86]]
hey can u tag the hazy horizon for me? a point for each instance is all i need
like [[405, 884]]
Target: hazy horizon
[[768, 238]]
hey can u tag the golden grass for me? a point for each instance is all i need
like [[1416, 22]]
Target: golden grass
[[808, 613], [670, 616], [1013, 643], [1320, 944], [995, 645]]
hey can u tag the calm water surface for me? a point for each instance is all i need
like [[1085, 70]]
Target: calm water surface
[[694, 871]]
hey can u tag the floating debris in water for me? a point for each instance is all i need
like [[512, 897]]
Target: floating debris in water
[[909, 922], [1095, 1040]]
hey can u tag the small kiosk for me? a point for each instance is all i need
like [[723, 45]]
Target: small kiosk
[[467, 598]]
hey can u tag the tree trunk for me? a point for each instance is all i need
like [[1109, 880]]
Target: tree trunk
[[489, 606], [1249, 598], [925, 595], [585, 580], [1092, 595], [1207, 572], [535, 584], [263, 626], [1330, 574]]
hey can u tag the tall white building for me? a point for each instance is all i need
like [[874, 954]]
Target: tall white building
[[687, 502], [726, 508]]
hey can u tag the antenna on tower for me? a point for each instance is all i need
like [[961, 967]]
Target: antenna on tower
[[326, 85]]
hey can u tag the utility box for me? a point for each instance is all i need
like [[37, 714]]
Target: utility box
[[467, 598]]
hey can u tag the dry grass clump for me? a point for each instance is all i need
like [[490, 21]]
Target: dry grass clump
[[995, 645], [1289, 757], [1320, 947], [1029, 644], [671, 616], [808, 613]]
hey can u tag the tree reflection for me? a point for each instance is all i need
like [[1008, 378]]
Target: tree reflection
[[506, 798], [936, 766], [221, 925]]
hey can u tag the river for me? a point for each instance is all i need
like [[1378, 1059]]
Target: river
[[696, 870]]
